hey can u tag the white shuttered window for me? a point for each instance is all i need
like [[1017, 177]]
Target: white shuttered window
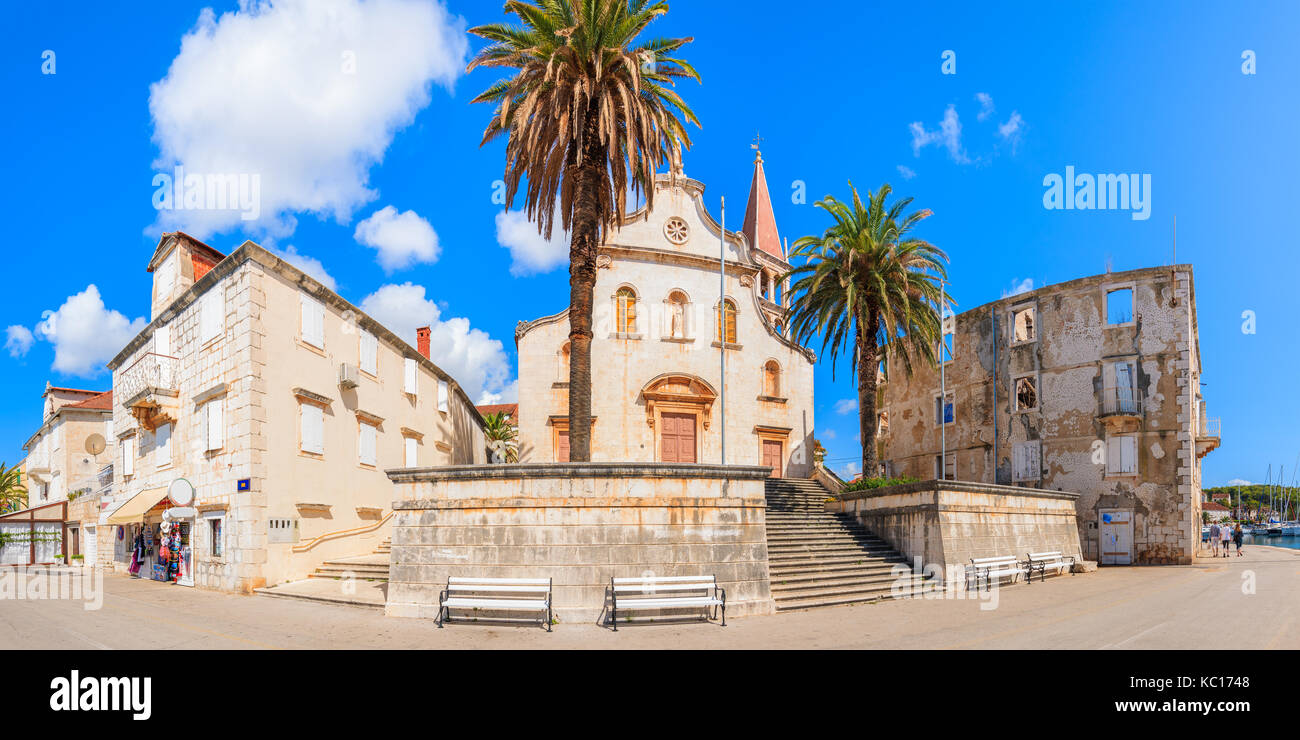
[[412, 447], [409, 384], [313, 429], [369, 353], [1025, 460], [442, 396], [313, 322], [163, 446], [128, 456], [214, 413], [367, 438], [1121, 455], [212, 317]]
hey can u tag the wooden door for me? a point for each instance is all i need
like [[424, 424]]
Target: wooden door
[[562, 445], [772, 456], [677, 438]]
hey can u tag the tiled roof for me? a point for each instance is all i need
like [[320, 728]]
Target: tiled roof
[[760, 221], [1213, 506], [72, 390], [101, 402], [510, 409]]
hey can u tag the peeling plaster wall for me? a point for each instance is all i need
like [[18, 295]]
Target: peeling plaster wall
[[1068, 361]]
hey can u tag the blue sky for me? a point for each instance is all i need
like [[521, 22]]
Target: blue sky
[[1151, 87]]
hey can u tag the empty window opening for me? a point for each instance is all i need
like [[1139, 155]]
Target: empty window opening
[[1119, 306], [1026, 394], [1024, 325], [943, 409]]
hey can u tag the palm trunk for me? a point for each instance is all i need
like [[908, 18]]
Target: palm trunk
[[582, 285], [868, 366]]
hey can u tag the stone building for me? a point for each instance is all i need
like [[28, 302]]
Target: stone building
[[281, 404], [1091, 386], [661, 327], [61, 464]]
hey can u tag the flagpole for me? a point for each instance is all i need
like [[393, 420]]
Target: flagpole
[[943, 391], [722, 330]]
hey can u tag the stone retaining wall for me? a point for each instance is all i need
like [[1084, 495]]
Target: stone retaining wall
[[946, 523], [578, 524]]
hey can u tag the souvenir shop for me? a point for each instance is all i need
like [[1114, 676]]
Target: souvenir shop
[[153, 534]]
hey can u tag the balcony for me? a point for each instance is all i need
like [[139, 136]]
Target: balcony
[[1207, 439], [149, 389], [1120, 408]]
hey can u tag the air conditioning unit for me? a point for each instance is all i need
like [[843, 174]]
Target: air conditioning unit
[[349, 376]]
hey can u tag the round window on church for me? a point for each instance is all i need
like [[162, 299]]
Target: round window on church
[[676, 230]]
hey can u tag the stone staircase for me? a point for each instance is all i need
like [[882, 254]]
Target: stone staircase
[[372, 567], [816, 558]]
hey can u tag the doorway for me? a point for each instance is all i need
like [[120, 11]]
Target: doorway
[[677, 438], [772, 449], [1116, 533]]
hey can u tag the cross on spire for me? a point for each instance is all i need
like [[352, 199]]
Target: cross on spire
[[758, 141]]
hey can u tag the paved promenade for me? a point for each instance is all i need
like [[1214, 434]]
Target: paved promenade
[[1199, 606]]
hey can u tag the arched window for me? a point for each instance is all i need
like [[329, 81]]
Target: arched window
[[772, 379], [625, 305], [677, 314], [727, 322], [764, 287]]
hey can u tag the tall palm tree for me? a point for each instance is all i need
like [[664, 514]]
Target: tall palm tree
[[13, 494], [502, 435], [865, 281], [589, 113]]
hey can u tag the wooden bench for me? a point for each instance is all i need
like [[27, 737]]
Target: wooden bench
[[666, 592], [991, 569], [496, 594], [1041, 562]]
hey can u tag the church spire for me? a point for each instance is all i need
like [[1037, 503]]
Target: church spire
[[760, 221]]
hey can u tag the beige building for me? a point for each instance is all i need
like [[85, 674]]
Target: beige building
[[661, 327], [281, 405], [1090, 386], [70, 458]]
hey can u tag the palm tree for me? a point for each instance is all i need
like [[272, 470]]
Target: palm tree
[[13, 494], [589, 113], [865, 281], [502, 436]]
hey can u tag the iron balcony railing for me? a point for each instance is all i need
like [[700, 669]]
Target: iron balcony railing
[[150, 371], [1121, 401], [1210, 427]]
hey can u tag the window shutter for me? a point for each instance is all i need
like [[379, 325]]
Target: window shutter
[[210, 319], [442, 396], [162, 344], [411, 452], [163, 445], [369, 353], [1018, 460], [313, 433], [409, 384], [216, 415], [313, 322], [366, 443], [1114, 455], [1129, 447], [128, 456]]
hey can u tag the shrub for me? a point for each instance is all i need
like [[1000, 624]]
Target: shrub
[[867, 484]]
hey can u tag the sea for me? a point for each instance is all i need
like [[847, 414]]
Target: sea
[[1274, 540]]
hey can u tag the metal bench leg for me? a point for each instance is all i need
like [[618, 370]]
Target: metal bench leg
[[548, 618], [724, 614]]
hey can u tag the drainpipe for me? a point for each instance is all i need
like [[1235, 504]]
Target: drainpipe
[[722, 331], [993, 319]]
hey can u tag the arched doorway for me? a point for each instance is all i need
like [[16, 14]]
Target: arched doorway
[[679, 407]]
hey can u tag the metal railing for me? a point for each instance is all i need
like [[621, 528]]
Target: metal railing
[[150, 371], [1120, 401], [1211, 427]]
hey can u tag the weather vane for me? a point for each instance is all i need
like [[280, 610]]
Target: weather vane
[[758, 140]]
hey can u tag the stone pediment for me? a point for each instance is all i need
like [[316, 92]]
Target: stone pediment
[[679, 390]]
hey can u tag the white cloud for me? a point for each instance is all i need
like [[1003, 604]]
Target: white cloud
[[306, 94], [402, 239], [850, 470], [1239, 482], [309, 265], [1011, 130], [986, 106], [907, 172], [477, 361], [846, 406], [948, 136], [18, 340], [828, 434], [1018, 287], [531, 252], [85, 333]]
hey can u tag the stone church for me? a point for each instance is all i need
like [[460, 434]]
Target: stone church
[[663, 320]]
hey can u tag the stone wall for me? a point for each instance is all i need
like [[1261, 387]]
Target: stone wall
[[580, 525], [945, 524]]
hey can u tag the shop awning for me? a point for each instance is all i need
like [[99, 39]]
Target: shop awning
[[133, 510]]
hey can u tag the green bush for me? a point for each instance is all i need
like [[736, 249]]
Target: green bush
[[867, 484]]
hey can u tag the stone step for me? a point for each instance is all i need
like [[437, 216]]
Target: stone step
[[860, 574], [780, 566], [864, 597], [834, 586], [803, 536], [823, 570], [880, 586], [850, 548]]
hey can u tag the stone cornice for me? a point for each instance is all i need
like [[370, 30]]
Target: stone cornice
[[936, 486], [579, 470]]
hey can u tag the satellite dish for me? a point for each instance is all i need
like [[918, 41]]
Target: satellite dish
[[95, 444], [181, 492]]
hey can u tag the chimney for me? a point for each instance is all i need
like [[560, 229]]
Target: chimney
[[422, 340]]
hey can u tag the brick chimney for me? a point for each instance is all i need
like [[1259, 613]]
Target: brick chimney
[[422, 340]]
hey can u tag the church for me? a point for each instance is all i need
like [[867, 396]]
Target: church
[[663, 322]]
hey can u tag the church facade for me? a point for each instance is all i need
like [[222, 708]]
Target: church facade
[[663, 319]]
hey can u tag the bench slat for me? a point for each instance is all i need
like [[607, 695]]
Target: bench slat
[[667, 603], [666, 579], [460, 587], [458, 602], [501, 581]]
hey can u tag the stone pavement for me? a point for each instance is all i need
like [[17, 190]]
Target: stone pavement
[[1198, 606]]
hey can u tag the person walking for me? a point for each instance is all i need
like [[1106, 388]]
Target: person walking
[[1226, 534], [1236, 538], [1214, 539]]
